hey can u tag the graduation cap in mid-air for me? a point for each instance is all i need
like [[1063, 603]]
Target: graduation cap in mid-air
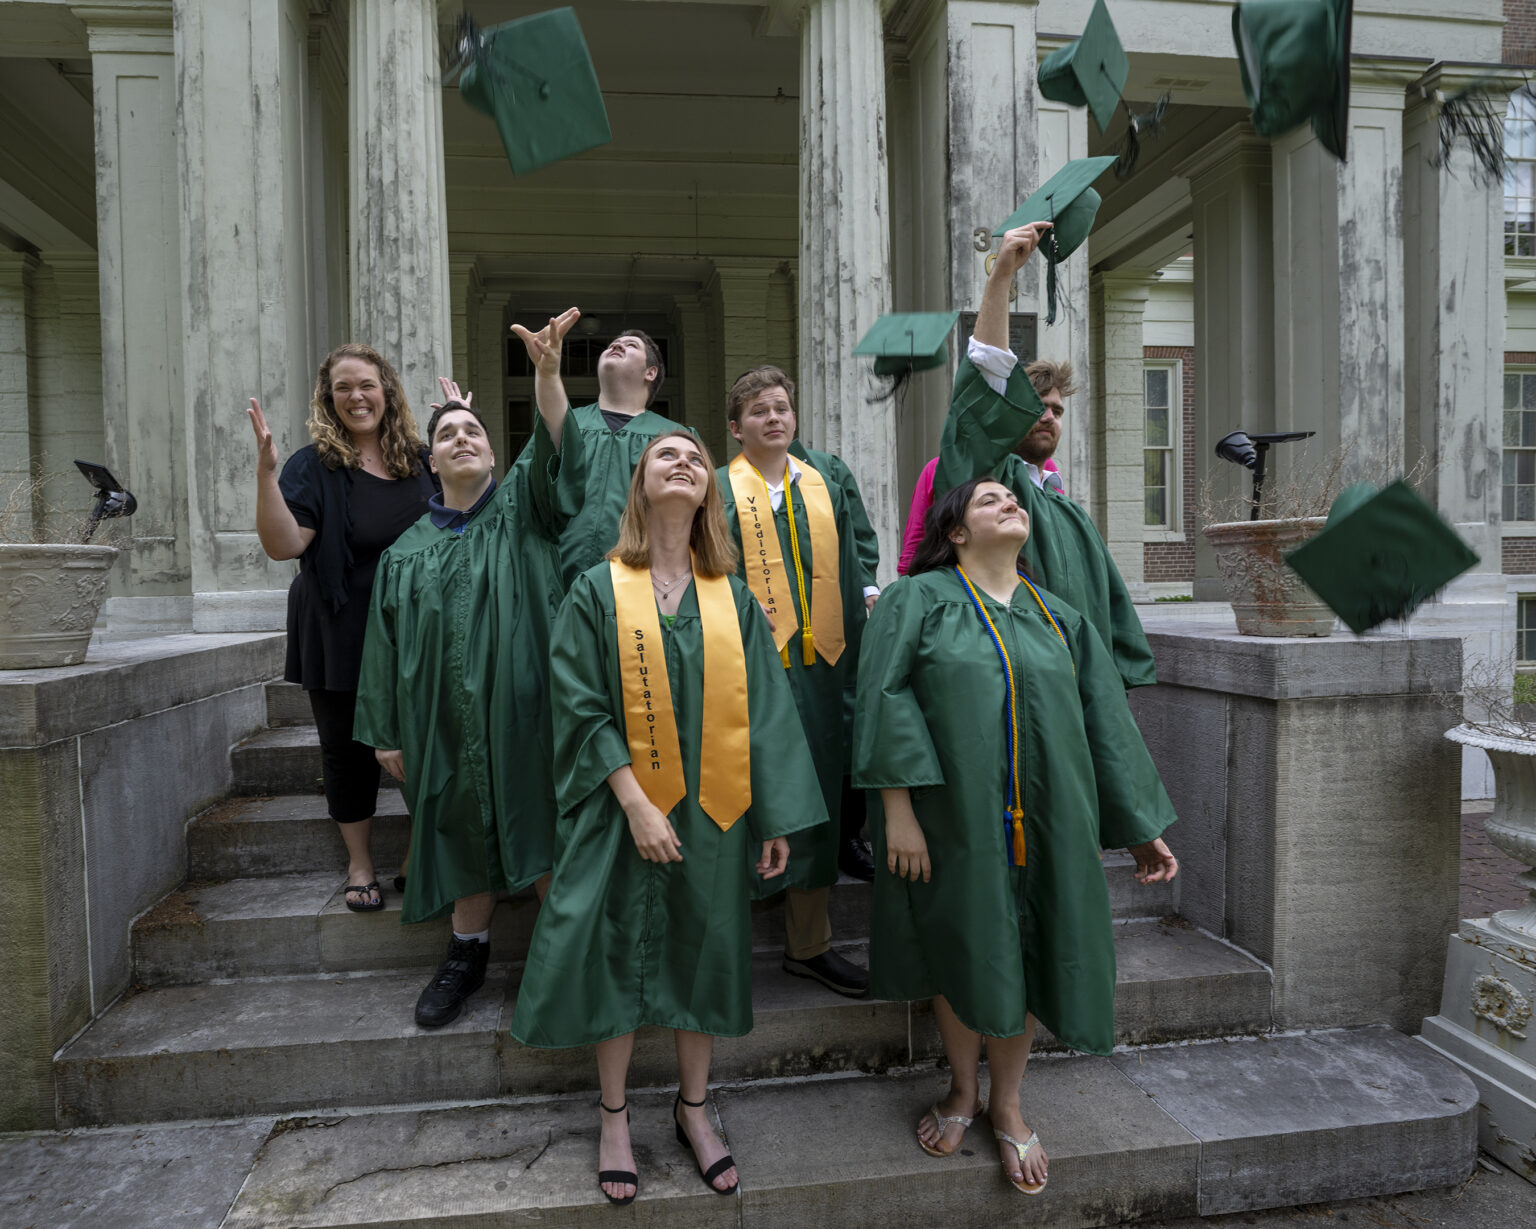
[[1089, 72], [1294, 58], [1067, 201], [904, 342], [534, 77], [1380, 555]]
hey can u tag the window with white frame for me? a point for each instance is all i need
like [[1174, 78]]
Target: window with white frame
[[1520, 447], [1525, 631], [1161, 434], [1520, 175]]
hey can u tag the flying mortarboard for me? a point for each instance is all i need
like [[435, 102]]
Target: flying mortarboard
[[534, 77], [1067, 201], [903, 342], [1090, 72], [1294, 58], [1380, 554]]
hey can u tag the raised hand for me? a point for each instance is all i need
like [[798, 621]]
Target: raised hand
[[544, 347], [266, 446], [1018, 245], [451, 393]]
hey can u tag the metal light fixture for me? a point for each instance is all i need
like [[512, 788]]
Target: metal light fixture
[[1249, 450]]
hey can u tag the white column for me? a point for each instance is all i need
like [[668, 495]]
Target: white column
[[1230, 185], [138, 183], [1338, 243], [1063, 137], [703, 406], [400, 291], [845, 248], [66, 420], [18, 271], [250, 284], [1115, 377]]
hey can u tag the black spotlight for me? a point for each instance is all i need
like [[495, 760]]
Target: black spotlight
[[112, 498], [1249, 451]]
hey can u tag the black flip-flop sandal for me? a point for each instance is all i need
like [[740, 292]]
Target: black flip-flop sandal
[[365, 907]]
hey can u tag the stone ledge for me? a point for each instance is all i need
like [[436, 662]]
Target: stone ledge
[[1210, 656], [122, 680]]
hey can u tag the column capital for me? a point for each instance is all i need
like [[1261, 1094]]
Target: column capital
[[23, 263], [1382, 82], [1448, 78], [1123, 288], [137, 26], [1237, 149]]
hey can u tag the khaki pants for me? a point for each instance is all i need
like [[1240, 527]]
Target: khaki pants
[[807, 929]]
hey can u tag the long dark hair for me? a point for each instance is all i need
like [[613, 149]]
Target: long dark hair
[[945, 516]]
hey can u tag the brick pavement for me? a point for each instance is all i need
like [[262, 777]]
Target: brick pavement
[[1488, 881]]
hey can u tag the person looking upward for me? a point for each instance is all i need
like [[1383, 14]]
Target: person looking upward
[[615, 428]]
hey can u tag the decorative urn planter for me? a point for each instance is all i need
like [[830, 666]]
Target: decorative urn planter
[[50, 596], [1267, 597], [1512, 826]]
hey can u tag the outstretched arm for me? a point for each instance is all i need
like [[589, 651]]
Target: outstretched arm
[[544, 348], [992, 316], [282, 537]]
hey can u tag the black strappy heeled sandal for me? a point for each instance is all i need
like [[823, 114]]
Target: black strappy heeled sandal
[[715, 1170], [621, 1176]]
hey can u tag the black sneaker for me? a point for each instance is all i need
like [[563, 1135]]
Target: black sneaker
[[833, 972], [459, 976], [853, 859]]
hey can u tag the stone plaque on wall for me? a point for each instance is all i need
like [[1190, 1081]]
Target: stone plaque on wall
[[1023, 333]]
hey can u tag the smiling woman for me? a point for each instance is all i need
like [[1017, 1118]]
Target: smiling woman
[[340, 500]]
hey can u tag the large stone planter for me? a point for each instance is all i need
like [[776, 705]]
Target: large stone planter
[[50, 596], [1489, 994], [1267, 597]]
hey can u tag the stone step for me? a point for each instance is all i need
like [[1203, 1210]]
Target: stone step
[[1148, 1134], [292, 834], [278, 925], [282, 1044], [277, 761], [288, 705]]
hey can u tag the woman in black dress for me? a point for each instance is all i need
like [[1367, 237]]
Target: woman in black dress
[[339, 502]]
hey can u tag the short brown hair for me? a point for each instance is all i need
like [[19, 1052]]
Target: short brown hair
[[652, 359], [750, 383], [714, 554], [1045, 375]]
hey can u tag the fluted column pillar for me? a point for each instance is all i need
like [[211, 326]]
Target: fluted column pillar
[[845, 244], [400, 292], [1117, 307]]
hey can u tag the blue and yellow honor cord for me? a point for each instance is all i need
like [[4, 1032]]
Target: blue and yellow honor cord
[[1013, 813]]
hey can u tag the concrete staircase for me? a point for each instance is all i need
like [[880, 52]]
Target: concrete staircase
[[261, 999]]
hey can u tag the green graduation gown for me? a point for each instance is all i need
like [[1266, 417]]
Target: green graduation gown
[[455, 676], [819, 689], [1000, 941], [620, 941], [611, 457], [1065, 552]]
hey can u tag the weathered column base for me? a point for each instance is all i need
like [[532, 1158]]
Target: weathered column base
[[1484, 1027]]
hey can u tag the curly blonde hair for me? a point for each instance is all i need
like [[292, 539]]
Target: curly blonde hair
[[714, 554], [398, 439]]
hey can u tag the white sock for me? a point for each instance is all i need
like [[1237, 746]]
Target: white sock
[[482, 936]]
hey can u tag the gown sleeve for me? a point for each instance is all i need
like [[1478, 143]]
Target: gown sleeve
[[588, 731], [1133, 805], [892, 747], [557, 478], [1132, 653], [786, 794], [866, 543], [983, 427], [376, 720]]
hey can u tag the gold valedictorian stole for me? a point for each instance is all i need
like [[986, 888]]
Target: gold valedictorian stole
[[650, 725], [766, 574]]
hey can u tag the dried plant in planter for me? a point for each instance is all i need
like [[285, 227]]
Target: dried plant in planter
[[30, 515], [1493, 699]]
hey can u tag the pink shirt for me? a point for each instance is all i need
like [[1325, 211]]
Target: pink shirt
[[922, 500]]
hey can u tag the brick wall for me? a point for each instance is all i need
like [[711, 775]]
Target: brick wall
[[1519, 32], [1175, 561]]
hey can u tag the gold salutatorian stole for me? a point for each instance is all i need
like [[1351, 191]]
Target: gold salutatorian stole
[[770, 580], [650, 724]]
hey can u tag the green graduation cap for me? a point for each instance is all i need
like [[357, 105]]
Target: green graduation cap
[[533, 76], [908, 341], [1066, 200], [1294, 57], [1090, 72], [1380, 554]]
